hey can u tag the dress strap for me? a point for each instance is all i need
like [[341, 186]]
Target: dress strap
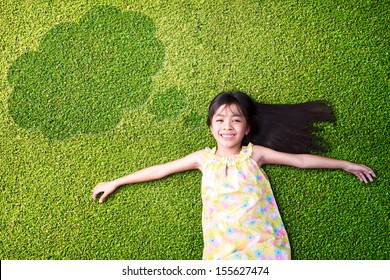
[[247, 150]]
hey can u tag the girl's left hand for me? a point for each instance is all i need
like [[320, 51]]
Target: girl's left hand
[[361, 171]]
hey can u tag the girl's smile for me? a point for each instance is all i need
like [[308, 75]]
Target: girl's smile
[[228, 136]]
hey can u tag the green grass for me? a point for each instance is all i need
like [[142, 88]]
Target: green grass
[[93, 90]]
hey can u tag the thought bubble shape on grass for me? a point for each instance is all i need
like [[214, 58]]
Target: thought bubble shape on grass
[[168, 104], [83, 75]]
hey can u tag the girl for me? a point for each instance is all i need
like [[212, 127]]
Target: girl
[[240, 217]]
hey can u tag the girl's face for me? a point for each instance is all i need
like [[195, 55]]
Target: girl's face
[[229, 126]]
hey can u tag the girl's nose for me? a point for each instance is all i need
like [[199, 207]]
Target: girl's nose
[[227, 127]]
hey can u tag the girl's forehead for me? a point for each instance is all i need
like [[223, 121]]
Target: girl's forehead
[[229, 109]]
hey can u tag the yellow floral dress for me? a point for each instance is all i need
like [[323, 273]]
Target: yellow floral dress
[[240, 217]]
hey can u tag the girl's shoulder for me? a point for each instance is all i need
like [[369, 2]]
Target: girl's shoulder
[[198, 158], [259, 153]]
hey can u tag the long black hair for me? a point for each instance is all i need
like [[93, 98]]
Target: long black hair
[[282, 127]]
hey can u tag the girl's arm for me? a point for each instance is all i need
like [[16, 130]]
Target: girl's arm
[[264, 155], [192, 161]]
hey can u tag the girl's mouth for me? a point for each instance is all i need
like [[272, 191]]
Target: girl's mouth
[[227, 136]]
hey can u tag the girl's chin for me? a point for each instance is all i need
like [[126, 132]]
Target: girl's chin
[[228, 143]]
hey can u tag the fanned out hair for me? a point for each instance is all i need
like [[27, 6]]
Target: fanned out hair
[[282, 127]]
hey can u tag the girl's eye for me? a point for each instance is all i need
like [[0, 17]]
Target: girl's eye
[[238, 121], [218, 120]]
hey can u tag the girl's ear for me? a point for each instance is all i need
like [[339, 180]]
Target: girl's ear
[[248, 129]]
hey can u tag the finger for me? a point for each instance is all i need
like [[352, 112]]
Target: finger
[[95, 192], [368, 175], [366, 169], [102, 198], [361, 177], [94, 195], [370, 171]]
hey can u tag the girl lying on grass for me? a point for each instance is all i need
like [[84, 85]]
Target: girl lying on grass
[[240, 217]]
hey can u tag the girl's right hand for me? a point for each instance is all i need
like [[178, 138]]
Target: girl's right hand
[[106, 188]]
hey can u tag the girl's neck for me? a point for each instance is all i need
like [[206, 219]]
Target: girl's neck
[[227, 151]]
